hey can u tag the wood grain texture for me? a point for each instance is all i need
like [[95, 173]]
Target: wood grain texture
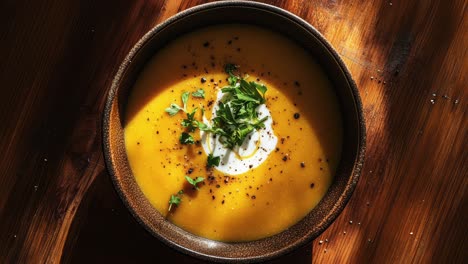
[[409, 59]]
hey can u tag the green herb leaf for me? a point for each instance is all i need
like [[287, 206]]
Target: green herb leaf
[[202, 126], [213, 160], [199, 93], [236, 116], [229, 68], [185, 97], [186, 138], [173, 109], [190, 123], [247, 98], [175, 200], [232, 80], [262, 88], [194, 181]]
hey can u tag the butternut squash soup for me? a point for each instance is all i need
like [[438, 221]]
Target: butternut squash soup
[[233, 132]]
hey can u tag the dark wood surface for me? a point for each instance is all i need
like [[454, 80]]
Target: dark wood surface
[[57, 60]]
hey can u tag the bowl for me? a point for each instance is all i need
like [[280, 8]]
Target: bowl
[[349, 168]]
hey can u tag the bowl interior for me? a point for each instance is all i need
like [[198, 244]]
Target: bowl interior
[[350, 105]]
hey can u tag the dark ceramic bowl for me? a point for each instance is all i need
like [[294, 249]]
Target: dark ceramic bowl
[[349, 168]]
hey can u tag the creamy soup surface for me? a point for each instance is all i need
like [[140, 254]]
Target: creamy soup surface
[[275, 178]]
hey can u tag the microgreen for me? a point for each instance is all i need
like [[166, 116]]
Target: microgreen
[[186, 138], [175, 199], [173, 109], [194, 181], [190, 123], [213, 161], [185, 97], [199, 93]]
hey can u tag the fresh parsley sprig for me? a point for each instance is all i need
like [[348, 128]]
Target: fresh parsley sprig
[[195, 181], [236, 116], [213, 160], [173, 109], [175, 199], [185, 138], [199, 93]]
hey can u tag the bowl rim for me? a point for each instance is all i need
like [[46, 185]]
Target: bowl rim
[[344, 196]]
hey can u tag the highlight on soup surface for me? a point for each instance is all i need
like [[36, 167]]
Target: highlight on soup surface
[[233, 132]]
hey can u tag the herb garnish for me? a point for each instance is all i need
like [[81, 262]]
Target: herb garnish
[[213, 161], [175, 199], [185, 97], [237, 114], [194, 181], [186, 138], [173, 109], [190, 123], [199, 93]]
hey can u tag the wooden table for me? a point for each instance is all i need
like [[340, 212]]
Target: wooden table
[[57, 60]]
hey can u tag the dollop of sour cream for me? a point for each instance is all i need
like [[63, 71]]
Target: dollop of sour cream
[[252, 153]]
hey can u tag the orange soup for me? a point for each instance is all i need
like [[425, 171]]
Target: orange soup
[[242, 163]]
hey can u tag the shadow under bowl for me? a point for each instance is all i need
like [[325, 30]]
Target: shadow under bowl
[[348, 172]]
